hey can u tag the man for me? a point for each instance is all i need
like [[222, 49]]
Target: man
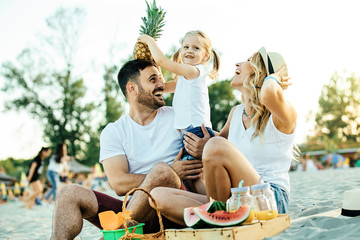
[[140, 149]]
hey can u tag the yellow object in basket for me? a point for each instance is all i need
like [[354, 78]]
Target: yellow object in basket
[[266, 215]]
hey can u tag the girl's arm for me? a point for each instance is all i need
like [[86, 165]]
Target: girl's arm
[[186, 70], [272, 97], [31, 171], [170, 86]]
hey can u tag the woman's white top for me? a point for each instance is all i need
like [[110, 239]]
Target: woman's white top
[[271, 157], [54, 166], [191, 101]]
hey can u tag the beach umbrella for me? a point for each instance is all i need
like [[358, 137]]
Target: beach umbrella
[[17, 189], [23, 180], [3, 190], [335, 158], [98, 172]]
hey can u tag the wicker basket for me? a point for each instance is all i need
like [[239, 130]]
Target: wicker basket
[[128, 235]]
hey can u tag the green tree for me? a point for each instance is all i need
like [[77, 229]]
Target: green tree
[[338, 118], [113, 104], [43, 83], [222, 99]]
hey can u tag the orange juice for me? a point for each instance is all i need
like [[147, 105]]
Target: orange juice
[[251, 216], [266, 215]]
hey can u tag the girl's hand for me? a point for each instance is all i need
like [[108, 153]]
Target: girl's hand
[[283, 81], [145, 39]]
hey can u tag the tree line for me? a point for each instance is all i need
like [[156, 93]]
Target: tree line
[[44, 82]]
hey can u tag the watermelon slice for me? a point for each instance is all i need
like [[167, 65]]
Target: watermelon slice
[[222, 218], [193, 221]]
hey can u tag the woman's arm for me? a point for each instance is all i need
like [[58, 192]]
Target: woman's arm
[[186, 70], [272, 97], [225, 130]]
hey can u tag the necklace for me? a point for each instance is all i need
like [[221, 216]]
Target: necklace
[[247, 115]]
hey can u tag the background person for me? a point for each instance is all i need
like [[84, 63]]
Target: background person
[[55, 168], [35, 170]]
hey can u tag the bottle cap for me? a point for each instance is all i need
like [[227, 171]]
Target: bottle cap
[[260, 186], [240, 189]]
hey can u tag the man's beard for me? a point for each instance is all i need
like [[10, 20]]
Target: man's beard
[[149, 100]]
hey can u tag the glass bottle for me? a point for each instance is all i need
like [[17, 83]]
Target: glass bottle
[[239, 197], [265, 204]]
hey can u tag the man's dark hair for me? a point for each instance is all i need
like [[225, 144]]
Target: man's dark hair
[[130, 71]]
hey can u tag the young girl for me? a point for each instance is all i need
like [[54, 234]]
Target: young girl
[[191, 98]]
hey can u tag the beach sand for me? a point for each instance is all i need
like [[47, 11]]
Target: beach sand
[[311, 193]]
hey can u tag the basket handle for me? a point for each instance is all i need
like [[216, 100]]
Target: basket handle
[[152, 199]]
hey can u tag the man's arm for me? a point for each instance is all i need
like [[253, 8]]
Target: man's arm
[[117, 171]]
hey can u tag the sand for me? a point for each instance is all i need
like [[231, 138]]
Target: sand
[[311, 193]]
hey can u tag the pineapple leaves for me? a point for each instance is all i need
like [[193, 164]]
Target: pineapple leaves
[[154, 21]]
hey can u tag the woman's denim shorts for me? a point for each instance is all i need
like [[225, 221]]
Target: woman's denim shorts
[[281, 198]]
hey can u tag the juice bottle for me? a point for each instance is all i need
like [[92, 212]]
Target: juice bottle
[[239, 197], [233, 203], [265, 204]]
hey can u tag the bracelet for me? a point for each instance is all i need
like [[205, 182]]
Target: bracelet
[[271, 78]]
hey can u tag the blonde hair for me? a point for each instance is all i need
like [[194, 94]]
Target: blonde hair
[[254, 84], [206, 44]]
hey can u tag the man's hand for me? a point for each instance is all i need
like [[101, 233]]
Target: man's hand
[[187, 169], [195, 145]]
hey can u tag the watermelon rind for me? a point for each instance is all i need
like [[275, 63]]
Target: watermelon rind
[[191, 219], [222, 218], [216, 206]]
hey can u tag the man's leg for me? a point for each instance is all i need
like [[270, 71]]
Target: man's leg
[[167, 198], [73, 203], [161, 175]]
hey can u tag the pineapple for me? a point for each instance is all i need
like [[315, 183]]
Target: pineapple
[[152, 25]]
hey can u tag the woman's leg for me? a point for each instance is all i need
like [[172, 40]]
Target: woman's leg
[[57, 184], [29, 199], [51, 177], [171, 202], [224, 167]]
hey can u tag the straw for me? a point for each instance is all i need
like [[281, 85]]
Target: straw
[[240, 185], [261, 177]]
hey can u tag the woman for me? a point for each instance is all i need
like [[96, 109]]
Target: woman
[[257, 139], [35, 170], [55, 168]]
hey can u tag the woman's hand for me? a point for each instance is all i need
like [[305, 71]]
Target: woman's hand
[[283, 81]]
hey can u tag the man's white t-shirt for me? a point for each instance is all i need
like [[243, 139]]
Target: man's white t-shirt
[[143, 146]]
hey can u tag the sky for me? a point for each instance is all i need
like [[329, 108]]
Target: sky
[[316, 38]]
